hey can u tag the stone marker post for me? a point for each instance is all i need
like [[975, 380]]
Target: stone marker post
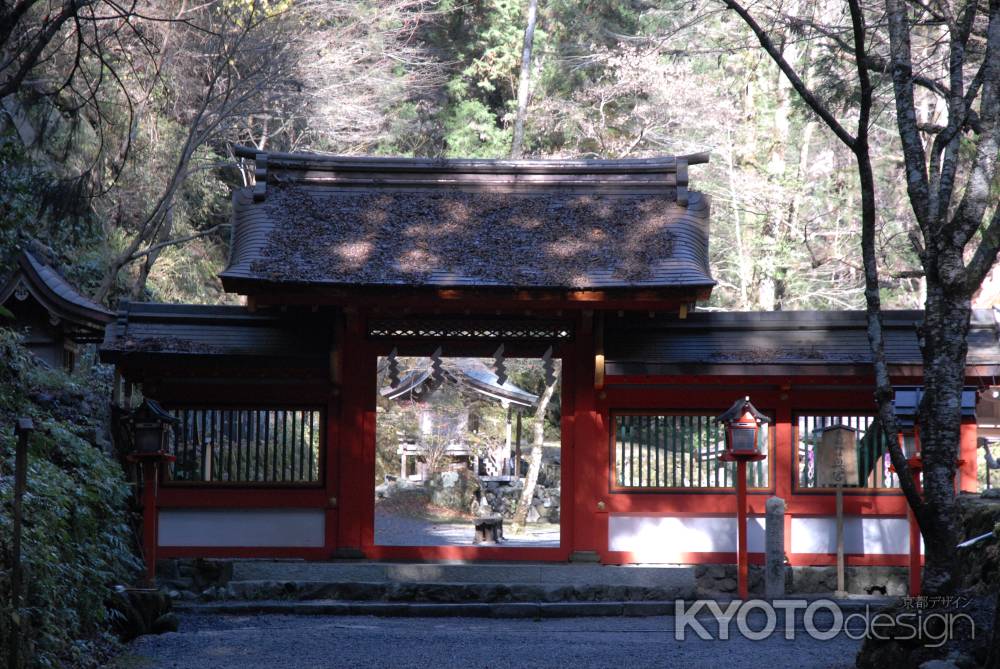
[[774, 548]]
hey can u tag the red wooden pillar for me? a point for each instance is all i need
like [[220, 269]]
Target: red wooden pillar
[[354, 504], [785, 466], [742, 560], [967, 474], [915, 557], [590, 468], [149, 517]]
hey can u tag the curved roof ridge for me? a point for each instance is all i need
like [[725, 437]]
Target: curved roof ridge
[[56, 295]]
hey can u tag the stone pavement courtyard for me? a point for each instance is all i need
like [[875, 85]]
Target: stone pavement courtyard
[[328, 642], [393, 529]]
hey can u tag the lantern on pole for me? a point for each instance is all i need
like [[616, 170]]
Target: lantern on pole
[[150, 428], [742, 423], [905, 405]]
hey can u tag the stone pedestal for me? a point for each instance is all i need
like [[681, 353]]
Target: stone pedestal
[[774, 548], [489, 530]]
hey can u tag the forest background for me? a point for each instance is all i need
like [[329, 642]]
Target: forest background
[[116, 149]]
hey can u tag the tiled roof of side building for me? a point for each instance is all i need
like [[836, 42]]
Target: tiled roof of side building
[[33, 277], [470, 223], [750, 341], [214, 334]]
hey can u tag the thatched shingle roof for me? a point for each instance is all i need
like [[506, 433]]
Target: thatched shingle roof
[[471, 223]]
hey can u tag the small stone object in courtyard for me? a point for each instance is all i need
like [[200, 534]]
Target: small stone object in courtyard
[[489, 530]]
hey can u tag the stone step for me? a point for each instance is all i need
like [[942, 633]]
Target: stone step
[[445, 592], [536, 609], [666, 576], [430, 609]]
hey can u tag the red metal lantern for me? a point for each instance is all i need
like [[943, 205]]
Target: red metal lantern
[[742, 421], [151, 427]]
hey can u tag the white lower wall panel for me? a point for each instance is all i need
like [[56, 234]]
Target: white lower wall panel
[[215, 528], [663, 538], [863, 535]]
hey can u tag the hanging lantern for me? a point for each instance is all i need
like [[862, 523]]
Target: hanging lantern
[[393, 369], [437, 370], [905, 405], [151, 427], [549, 367], [742, 424], [498, 366]]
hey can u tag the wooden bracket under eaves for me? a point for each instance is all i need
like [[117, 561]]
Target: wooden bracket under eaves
[[260, 177], [682, 182]]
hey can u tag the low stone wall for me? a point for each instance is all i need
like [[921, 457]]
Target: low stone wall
[[891, 581], [980, 564]]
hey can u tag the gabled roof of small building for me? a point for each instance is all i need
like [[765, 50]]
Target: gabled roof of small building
[[82, 319], [530, 224], [777, 341], [214, 335]]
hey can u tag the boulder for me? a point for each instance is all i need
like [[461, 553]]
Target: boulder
[[454, 490], [137, 611], [206, 573]]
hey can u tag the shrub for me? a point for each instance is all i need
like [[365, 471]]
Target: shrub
[[76, 540]]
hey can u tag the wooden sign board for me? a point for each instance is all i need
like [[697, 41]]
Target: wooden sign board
[[837, 457]]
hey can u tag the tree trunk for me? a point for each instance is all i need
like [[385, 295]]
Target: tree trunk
[[517, 145], [535, 464], [943, 338], [147, 265]]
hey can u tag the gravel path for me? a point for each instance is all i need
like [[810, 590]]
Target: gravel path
[[245, 642], [397, 530]]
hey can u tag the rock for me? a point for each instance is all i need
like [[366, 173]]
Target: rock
[[717, 571], [939, 664], [211, 572], [168, 622], [533, 516], [963, 661], [167, 569], [726, 584], [138, 609]]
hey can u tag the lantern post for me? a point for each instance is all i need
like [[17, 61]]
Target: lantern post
[[837, 466], [150, 427], [742, 425]]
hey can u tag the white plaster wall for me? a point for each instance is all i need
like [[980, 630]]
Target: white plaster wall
[[867, 535], [290, 528], [663, 538]]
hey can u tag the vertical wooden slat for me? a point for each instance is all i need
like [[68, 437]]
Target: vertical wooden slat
[[256, 444], [673, 451], [616, 461], [268, 447], [240, 455], [701, 450], [293, 450], [650, 450], [284, 445], [690, 442], [643, 443], [656, 444], [203, 465], [714, 441], [301, 445], [311, 418], [631, 451]]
